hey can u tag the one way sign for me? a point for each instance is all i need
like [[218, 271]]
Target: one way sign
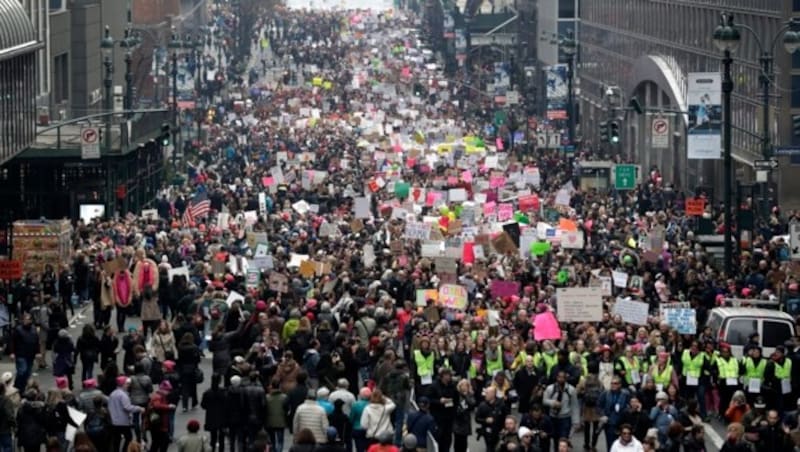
[[770, 164]]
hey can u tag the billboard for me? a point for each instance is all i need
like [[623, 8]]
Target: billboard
[[704, 98], [557, 90]]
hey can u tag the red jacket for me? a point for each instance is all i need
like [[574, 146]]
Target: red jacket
[[158, 404]]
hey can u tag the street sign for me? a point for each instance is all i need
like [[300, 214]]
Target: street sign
[[512, 97], [625, 177], [787, 150], [90, 143], [10, 269], [770, 164], [659, 133]]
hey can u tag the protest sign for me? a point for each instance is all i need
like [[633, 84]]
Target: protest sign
[[684, 320], [278, 282], [578, 304], [423, 295], [416, 230], [453, 296], [500, 288], [632, 311]]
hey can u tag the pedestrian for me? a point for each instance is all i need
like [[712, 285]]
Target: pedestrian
[[193, 440], [121, 409], [214, 404], [377, 417], [304, 441], [310, 416], [188, 365], [8, 421], [88, 350], [24, 349], [157, 417], [30, 422], [356, 411], [64, 356], [277, 415], [236, 412], [420, 422], [626, 441]]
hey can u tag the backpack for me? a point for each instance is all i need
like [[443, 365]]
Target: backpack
[[95, 424], [591, 391]]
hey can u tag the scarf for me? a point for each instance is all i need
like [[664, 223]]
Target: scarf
[[146, 275]]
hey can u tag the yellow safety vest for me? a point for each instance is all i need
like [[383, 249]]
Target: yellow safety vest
[[550, 361], [496, 365], [663, 378], [424, 364], [519, 360], [753, 371], [692, 366], [584, 362], [728, 369], [783, 372], [629, 368]]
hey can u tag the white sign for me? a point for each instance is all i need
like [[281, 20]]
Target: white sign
[[512, 97], [631, 311], [659, 133], [794, 240], [704, 97], [620, 279], [90, 143], [572, 240], [417, 230], [578, 304]]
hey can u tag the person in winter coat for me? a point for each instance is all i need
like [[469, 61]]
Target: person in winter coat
[[145, 274], [193, 440], [277, 414], [24, 348], [287, 372], [734, 440], [108, 347], [420, 422], [122, 291], [444, 397], [157, 417], [188, 362], [377, 416], [162, 342], [214, 404], [525, 381], [88, 350], [462, 422], [30, 421], [310, 416], [489, 416], [140, 391], [151, 313], [304, 441], [220, 347], [255, 401], [64, 356], [103, 316]]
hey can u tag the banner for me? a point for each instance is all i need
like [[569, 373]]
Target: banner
[[579, 304], [704, 98], [557, 90]]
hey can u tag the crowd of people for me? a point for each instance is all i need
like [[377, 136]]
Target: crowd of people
[[352, 252]]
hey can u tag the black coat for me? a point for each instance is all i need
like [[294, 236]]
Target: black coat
[[462, 422], [256, 404], [214, 402], [235, 405]]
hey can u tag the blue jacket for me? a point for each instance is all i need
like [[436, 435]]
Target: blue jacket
[[420, 424], [662, 419], [613, 405]]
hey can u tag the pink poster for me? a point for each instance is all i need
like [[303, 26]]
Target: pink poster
[[545, 327]]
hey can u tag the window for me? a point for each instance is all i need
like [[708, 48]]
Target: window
[[566, 9], [796, 91], [56, 5], [60, 78], [775, 333], [796, 60], [796, 5], [739, 331]]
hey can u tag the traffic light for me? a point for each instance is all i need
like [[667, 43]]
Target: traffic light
[[166, 136], [604, 132], [613, 132]]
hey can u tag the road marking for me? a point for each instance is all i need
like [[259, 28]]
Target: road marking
[[713, 435]]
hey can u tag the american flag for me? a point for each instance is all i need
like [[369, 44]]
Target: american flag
[[198, 207]]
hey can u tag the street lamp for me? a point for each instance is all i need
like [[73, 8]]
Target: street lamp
[[570, 48], [107, 47], [726, 39], [130, 42]]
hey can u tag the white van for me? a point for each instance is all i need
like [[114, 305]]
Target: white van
[[735, 325]]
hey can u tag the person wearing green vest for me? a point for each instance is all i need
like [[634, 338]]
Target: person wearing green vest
[[661, 372], [753, 368], [522, 356], [494, 358], [695, 368], [547, 359], [423, 364], [629, 369], [778, 377], [727, 375]]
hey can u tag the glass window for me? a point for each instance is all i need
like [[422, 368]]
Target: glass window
[[796, 60], [566, 9], [775, 333], [796, 91], [739, 331], [796, 5]]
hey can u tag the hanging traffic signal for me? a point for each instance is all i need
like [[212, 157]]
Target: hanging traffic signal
[[613, 132], [603, 132], [165, 136]]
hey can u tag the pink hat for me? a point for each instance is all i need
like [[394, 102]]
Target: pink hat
[[165, 386], [122, 380], [619, 335], [90, 383], [365, 393], [62, 382], [169, 365], [311, 303], [261, 306], [746, 292]]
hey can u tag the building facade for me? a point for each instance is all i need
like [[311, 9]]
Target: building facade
[[646, 48], [18, 88]]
